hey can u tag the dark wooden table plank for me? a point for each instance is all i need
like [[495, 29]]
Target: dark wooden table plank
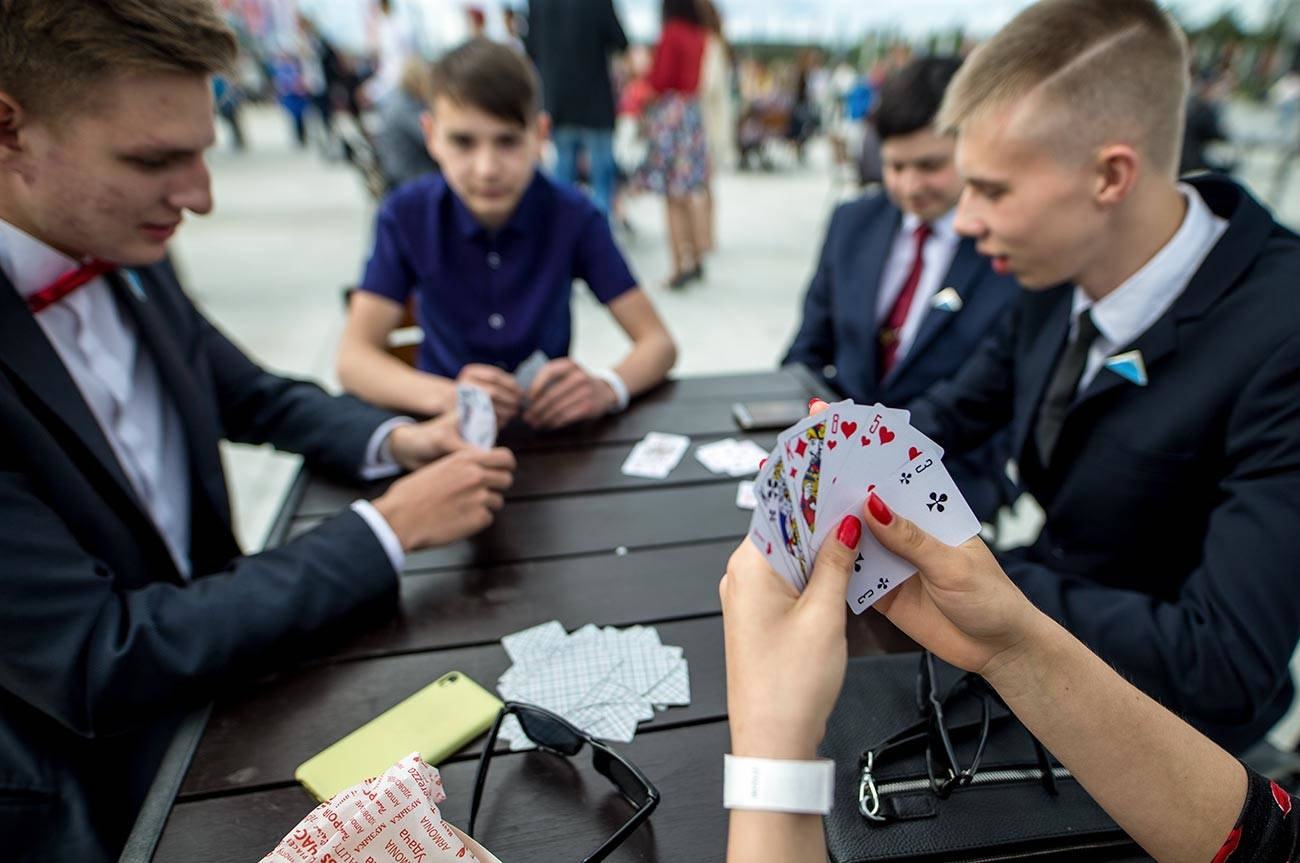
[[456, 608], [542, 474], [535, 807], [555, 527], [260, 735]]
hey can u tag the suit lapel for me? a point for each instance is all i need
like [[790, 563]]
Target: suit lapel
[[173, 368], [32, 359], [961, 278], [863, 286], [1039, 362]]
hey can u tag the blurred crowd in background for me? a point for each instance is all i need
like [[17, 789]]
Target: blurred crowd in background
[[348, 76]]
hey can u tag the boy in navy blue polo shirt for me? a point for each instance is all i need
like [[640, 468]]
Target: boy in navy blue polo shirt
[[489, 250]]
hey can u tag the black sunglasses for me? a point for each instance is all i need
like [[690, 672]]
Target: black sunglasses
[[554, 734], [931, 705]]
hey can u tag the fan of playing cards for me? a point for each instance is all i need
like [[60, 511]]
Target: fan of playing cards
[[823, 468]]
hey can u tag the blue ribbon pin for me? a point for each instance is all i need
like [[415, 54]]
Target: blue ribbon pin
[[1130, 367]]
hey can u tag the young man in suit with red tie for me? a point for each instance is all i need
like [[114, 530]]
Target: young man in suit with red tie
[[124, 599], [1150, 371], [899, 300]]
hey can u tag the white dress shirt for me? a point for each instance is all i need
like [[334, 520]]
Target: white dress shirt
[[936, 255], [1129, 311], [100, 349]]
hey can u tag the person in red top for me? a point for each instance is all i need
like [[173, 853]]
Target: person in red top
[[677, 163]]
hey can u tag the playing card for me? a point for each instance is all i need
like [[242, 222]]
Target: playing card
[[801, 447], [478, 421], [745, 494], [778, 511], [924, 493], [765, 529], [656, 455], [921, 491], [730, 456], [867, 442], [526, 371]]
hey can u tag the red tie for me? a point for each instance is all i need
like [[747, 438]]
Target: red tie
[[66, 284], [893, 325]]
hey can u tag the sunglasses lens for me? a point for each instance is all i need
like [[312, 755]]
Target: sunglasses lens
[[626, 781], [547, 732]]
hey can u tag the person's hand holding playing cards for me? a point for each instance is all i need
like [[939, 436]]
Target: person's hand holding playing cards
[[454, 497], [564, 393], [414, 445], [500, 385], [786, 654]]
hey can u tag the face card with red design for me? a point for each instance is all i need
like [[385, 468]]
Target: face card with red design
[[766, 526]]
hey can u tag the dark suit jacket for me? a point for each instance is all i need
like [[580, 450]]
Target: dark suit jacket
[[1172, 539], [839, 332], [571, 42], [101, 641]]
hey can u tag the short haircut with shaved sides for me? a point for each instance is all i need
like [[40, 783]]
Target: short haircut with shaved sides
[[1112, 71], [54, 52]]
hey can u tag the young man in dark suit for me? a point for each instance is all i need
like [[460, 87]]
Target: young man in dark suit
[[1150, 371], [124, 598], [899, 300]]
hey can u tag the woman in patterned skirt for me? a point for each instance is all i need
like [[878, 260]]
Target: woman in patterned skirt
[[677, 163]]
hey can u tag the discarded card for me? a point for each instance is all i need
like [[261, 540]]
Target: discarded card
[[602, 679], [656, 455], [730, 456]]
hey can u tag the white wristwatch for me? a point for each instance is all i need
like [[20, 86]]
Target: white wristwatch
[[616, 384], [777, 785]]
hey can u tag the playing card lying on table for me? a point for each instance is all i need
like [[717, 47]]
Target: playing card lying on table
[[823, 468], [478, 421]]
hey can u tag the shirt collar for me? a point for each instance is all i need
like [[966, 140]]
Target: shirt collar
[[1128, 311], [941, 227], [525, 218], [30, 264]]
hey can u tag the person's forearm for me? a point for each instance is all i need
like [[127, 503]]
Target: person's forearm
[[1168, 786], [647, 363], [384, 380], [775, 837]]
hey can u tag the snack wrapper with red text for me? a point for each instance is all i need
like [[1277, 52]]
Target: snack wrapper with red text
[[392, 818]]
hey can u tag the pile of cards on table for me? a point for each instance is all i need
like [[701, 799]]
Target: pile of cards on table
[[825, 466], [602, 679]]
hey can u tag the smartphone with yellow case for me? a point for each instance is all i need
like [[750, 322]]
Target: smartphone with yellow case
[[436, 721]]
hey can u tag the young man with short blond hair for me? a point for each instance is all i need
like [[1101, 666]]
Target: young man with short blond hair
[[124, 597], [1150, 374]]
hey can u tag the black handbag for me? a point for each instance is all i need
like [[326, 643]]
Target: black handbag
[[930, 766]]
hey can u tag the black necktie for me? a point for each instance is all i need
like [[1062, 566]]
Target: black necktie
[[1065, 383]]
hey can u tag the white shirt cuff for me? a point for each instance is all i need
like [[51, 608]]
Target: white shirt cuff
[[379, 462], [392, 545]]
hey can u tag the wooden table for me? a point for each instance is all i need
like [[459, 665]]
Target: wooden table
[[579, 542]]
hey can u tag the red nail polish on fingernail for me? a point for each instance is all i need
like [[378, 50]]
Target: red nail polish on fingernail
[[761, 462], [878, 510], [812, 401], [850, 531]]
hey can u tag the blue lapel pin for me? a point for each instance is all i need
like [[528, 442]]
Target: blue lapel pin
[[948, 300], [133, 282], [1129, 366]]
